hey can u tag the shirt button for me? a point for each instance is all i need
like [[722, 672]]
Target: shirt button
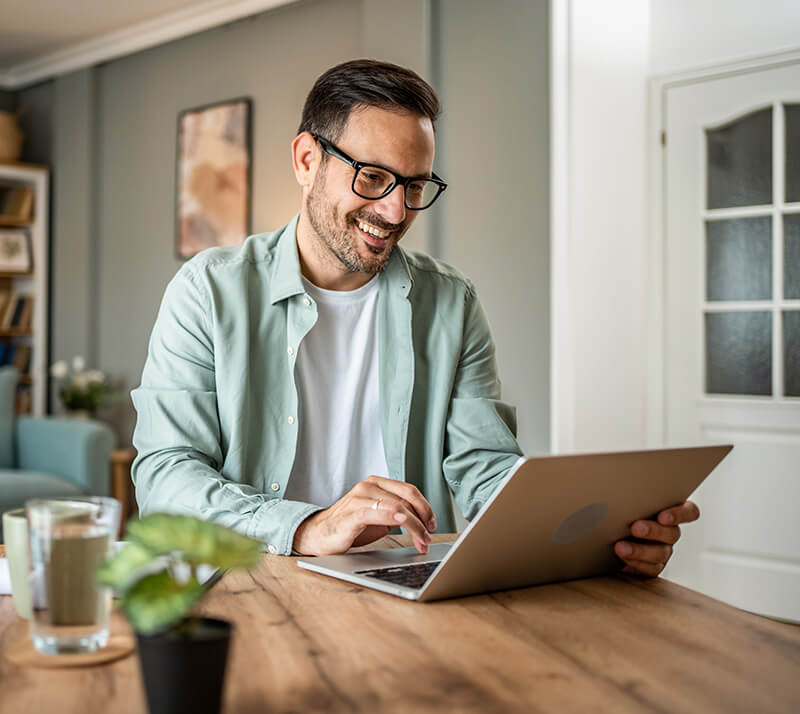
[[306, 302], [290, 420], [290, 351], [275, 487], [272, 549]]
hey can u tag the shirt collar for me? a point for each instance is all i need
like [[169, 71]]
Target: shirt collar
[[286, 266], [286, 280]]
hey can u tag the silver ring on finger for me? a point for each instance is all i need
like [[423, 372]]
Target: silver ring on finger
[[376, 504]]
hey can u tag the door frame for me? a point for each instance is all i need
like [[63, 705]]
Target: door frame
[[658, 139]]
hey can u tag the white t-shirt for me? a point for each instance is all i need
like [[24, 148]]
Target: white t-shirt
[[336, 371]]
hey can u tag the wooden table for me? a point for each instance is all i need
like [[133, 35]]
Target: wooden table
[[308, 643]]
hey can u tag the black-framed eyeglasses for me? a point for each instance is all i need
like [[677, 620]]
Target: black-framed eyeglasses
[[373, 182]]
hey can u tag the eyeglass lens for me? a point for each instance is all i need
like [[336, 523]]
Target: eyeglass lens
[[374, 182]]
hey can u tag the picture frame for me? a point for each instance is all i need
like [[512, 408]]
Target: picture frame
[[15, 251], [213, 176]]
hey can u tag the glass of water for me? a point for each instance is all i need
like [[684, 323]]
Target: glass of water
[[69, 539]]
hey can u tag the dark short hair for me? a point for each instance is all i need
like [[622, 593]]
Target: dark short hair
[[364, 83]]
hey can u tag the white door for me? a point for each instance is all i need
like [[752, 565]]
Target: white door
[[732, 329]]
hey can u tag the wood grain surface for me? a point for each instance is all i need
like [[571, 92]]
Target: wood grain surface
[[308, 643]]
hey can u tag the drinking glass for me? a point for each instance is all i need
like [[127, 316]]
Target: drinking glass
[[69, 539]]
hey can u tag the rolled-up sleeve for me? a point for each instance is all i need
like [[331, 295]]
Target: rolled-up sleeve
[[180, 456], [480, 446]]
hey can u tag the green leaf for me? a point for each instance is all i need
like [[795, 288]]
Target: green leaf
[[198, 541], [158, 601], [121, 569]]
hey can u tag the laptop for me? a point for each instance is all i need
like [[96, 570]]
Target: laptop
[[552, 518]]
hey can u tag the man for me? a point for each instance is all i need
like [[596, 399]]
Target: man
[[319, 386]]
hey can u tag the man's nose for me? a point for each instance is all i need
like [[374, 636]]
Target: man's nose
[[392, 206]]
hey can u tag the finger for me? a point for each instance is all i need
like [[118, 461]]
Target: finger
[[414, 527], [640, 567], [643, 551], [409, 493], [390, 512], [655, 531], [683, 513], [370, 534], [393, 511], [382, 499]]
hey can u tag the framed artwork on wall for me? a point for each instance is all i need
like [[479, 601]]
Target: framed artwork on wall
[[213, 176]]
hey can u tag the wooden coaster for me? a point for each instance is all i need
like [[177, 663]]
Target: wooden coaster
[[21, 652]]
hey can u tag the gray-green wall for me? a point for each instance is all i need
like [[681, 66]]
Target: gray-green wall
[[37, 117], [110, 137], [8, 101], [493, 76]]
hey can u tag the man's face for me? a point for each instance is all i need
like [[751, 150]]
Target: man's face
[[341, 219]]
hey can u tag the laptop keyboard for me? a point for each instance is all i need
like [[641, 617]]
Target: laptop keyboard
[[413, 575]]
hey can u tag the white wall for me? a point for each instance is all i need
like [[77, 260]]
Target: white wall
[[492, 73], [686, 34], [603, 56]]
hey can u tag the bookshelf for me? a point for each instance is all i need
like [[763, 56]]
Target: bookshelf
[[24, 280]]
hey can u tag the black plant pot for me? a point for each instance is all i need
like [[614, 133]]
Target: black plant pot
[[184, 668]]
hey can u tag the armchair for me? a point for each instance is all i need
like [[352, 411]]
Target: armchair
[[45, 457]]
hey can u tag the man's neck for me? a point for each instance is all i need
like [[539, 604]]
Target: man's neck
[[322, 267]]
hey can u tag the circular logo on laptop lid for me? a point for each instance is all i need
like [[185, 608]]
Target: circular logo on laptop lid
[[580, 524]]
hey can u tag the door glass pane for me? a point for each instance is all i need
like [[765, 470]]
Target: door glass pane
[[792, 152], [739, 352], [739, 157], [791, 256], [791, 353], [739, 259]]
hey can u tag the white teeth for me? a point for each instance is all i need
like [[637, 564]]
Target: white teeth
[[372, 230]]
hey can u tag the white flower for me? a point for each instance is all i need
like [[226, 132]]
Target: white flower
[[59, 369], [95, 376], [78, 363], [80, 381]]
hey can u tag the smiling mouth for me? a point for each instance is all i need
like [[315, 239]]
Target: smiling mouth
[[373, 231], [376, 239]]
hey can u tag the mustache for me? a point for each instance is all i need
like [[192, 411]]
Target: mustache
[[377, 221]]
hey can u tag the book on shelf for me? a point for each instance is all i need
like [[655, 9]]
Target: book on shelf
[[11, 352], [22, 359], [27, 313], [8, 311], [22, 312], [16, 315], [5, 296]]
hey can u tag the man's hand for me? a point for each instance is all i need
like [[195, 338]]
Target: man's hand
[[363, 515], [650, 558]]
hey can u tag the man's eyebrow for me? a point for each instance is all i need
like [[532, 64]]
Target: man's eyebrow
[[427, 175]]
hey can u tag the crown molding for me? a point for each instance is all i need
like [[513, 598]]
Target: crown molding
[[157, 31]]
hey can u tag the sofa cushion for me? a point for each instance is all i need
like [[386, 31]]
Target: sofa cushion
[[16, 487]]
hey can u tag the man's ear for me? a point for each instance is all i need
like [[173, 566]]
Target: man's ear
[[305, 159]]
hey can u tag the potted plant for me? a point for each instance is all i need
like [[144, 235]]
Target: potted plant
[[83, 391], [158, 579]]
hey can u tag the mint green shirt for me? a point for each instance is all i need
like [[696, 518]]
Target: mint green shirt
[[217, 425]]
